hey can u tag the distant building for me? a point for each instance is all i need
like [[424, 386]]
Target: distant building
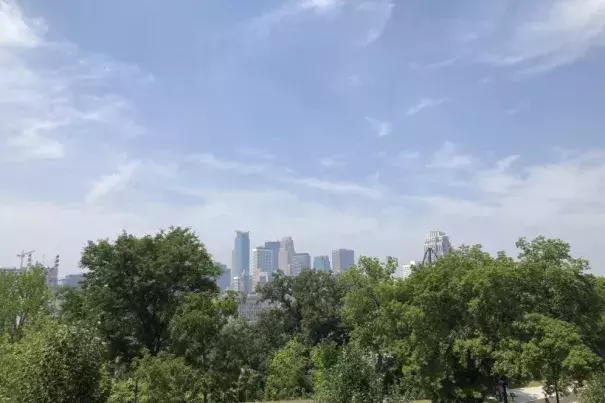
[[264, 278], [286, 253], [52, 279], [300, 261], [322, 263], [72, 280], [224, 280], [438, 242], [274, 246], [404, 270], [262, 262], [250, 306], [240, 264], [342, 260]]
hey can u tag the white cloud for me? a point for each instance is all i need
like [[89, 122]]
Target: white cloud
[[47, 107], [214, 162], [423, 104], [338, 187], [379, 127], [378, 14], [333, 160], [448, 157], [14, 30], [112, 182], [559, 32], [433, 66]]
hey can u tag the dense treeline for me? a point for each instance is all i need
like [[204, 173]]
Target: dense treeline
[[149, 325]]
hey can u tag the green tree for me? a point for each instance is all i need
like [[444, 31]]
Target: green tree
[[137, 284], [23, 297], [310, 304], [289, 372], [594, 391], [52, 363], [549, 349], [352, 379], [196, 332], [160, 379]]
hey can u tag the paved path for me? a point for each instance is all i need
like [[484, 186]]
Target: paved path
[[534, 395]]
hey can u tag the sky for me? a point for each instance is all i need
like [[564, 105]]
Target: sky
[[359, 124]]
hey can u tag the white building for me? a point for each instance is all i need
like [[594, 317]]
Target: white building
[[285, 255], [404, 270], [438, 242]]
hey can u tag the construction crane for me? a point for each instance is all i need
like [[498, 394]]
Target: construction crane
[[29, 258]]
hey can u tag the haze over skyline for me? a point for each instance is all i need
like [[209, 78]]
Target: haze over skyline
[[358, 124]]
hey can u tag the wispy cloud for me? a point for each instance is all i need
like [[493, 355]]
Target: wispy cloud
[[379, 13], [448, 157], [380, 128], [112, 182], [256, 152], [212, 161], [561, 32], [423, 104], [46, 108], [333, 160], [338, 187]]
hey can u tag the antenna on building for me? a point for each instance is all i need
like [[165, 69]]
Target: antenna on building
[[29, 258]]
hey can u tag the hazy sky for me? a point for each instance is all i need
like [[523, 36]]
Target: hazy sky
[[344, 124]]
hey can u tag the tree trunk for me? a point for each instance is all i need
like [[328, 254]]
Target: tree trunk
[[557, 391]]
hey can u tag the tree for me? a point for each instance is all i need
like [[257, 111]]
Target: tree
[[196, 331], [137, 285], [310, 303], [52, 363], [23, 296], [352, 379], [289, 372], [160, 379], [547, 348], [594, 392]]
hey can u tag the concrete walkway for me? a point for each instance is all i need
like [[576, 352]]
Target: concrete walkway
[[534, 394]]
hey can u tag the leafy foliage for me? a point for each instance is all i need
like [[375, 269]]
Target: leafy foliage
[[137, 284], [52, 363], [288, 372]]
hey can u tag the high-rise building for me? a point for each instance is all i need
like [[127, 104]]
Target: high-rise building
[[224, 280], [286, 253], [300, 261], [274, 247], [241, 254], [262, 262], [321, 263], [438, 242], [342, 260]]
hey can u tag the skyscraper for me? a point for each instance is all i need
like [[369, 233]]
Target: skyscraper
[[262, 262], [240, 266], [286, 252], [224, 280], [300, 261], [274, 247], [438, 242], [342, 260], [321, 263]]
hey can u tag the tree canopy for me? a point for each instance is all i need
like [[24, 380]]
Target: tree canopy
[[149, 325]]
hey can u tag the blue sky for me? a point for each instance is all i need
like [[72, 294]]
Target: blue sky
[[341, 123]]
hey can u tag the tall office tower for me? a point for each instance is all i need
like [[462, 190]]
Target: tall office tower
[[274, 246], [300, 261], [439, 242], [342, 260], [262, 262], [286, 252], [241, 254], [321, 263]]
